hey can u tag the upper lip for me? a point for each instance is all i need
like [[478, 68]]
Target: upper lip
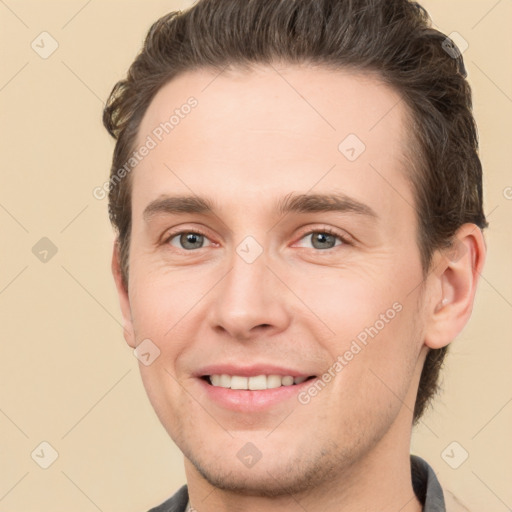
[[250, 370]]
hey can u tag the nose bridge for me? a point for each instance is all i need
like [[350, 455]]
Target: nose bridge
[[249, 273], [249, 294]]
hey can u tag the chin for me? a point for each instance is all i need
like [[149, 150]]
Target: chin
[[275, 474], [269, 481]]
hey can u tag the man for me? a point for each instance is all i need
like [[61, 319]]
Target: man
[[297, 195]]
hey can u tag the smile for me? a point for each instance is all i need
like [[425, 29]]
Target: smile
[[253, 383]]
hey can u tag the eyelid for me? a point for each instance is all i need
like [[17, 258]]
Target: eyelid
[[342, 235], [170, 234]]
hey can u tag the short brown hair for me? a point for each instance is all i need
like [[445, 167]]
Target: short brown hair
[[392, 38]]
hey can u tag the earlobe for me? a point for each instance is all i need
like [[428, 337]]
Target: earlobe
[[122, 293], [455, 286]]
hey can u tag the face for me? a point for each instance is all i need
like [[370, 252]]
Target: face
[[294, 256]]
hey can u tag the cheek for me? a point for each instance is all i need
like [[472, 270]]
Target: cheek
[[352, 305], [162, 299], [380, 362]]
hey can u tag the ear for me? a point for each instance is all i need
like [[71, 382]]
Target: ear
[[454, 287], [122, 293]]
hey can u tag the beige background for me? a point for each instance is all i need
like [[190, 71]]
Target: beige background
[[67, 376]]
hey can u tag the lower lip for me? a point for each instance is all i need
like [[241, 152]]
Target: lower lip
[[251, 400]]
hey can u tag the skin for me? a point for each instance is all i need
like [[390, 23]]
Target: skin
[[254, 137]]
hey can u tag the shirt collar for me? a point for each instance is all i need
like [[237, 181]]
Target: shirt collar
[[426, 486]]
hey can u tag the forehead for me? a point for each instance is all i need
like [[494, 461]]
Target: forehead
[[274, 128]]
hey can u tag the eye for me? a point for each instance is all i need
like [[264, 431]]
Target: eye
[[321, 239], [187, 240], [325, 238]]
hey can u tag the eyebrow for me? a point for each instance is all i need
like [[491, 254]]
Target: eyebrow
[[291, 203]]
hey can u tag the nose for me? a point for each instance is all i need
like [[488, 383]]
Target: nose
[[250, 300]]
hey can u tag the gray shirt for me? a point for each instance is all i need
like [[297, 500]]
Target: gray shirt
[[424, 481]]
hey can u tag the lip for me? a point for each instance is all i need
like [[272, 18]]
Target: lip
[[251, 401], [250, 370]]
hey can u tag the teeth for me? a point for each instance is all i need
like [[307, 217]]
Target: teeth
[[224, 381], [287, 381], [239, 382], [258, 382], [274, 381]]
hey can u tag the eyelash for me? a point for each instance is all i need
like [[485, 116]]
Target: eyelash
[[344, 239]]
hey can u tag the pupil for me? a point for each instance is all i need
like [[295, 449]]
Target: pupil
[[322, 238], [191, 238]]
